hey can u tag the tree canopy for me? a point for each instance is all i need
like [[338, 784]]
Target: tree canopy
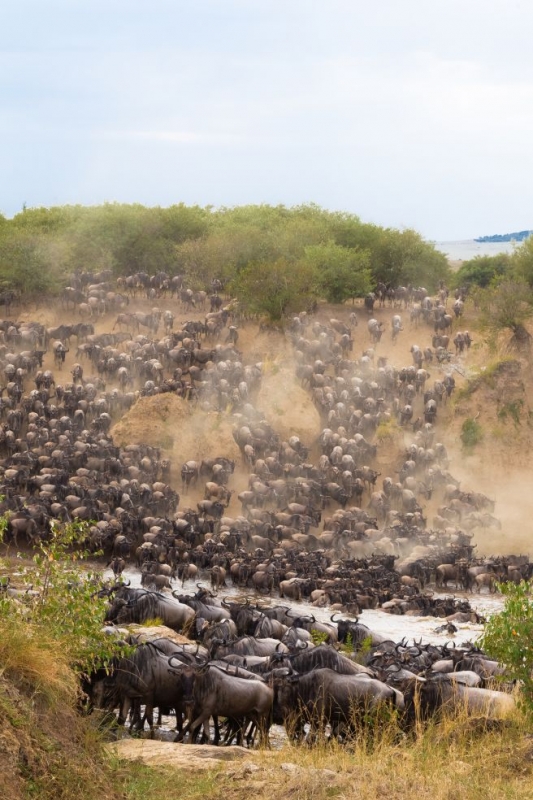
[[341, 257], [483, 270], [508, 306]]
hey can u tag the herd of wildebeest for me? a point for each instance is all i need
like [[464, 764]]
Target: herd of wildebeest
[[317, 522]]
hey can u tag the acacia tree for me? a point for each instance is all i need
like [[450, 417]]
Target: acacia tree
[[25, 263]]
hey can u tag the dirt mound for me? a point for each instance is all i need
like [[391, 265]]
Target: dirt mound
[[287, 407], [181, 430], [152, 420], [500, 399]]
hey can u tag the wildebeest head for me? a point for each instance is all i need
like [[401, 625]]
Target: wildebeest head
[[114, 609]]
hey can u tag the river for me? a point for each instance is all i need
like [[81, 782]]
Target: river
[[394, 626], [465, 249]]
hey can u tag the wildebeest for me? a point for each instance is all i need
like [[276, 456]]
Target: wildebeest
[[149, 606], [248, 646], [209, 691], [324, 697], [442, 692], [141, 678]]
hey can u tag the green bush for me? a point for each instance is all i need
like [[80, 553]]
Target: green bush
[[65, 604], [508, 637], [471, 432], [482, 270]]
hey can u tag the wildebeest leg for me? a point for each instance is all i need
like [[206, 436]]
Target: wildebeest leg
[[149, 717], [261, 723], [137, 721], [233, 733], [250, 735], [179, 721], [216, 726], [192, 728], [124, 710]]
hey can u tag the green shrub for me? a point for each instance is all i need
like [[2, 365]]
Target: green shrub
[[471, 433], [508, 637], [511, 409], [65, 605]]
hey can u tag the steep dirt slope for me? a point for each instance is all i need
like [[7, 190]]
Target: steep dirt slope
[[500, 401]]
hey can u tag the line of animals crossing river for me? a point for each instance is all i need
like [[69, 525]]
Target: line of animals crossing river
[[316, 522]]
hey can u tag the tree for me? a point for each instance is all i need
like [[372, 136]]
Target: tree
[[342, 272], [276, 289], [522, 261], [41, 247], [507, 306], [483, 270], [25, 263], [403, 257]]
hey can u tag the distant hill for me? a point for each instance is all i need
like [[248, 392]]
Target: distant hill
[[518, 236]]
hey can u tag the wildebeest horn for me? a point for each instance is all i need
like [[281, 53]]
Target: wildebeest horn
[[224, 603], [331, 618]]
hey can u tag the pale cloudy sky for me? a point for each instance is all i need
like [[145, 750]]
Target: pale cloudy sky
[[415, 113]]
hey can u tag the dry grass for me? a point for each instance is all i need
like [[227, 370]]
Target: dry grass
[[452, 760], [47, 750], [32, 663]]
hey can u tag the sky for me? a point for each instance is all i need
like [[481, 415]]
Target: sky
[[408, 113]]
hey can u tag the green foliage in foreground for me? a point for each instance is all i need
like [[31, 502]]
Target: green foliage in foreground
[[65, 605], [508, 637]]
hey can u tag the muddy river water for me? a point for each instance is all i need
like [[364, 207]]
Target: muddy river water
[[393, 626]]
